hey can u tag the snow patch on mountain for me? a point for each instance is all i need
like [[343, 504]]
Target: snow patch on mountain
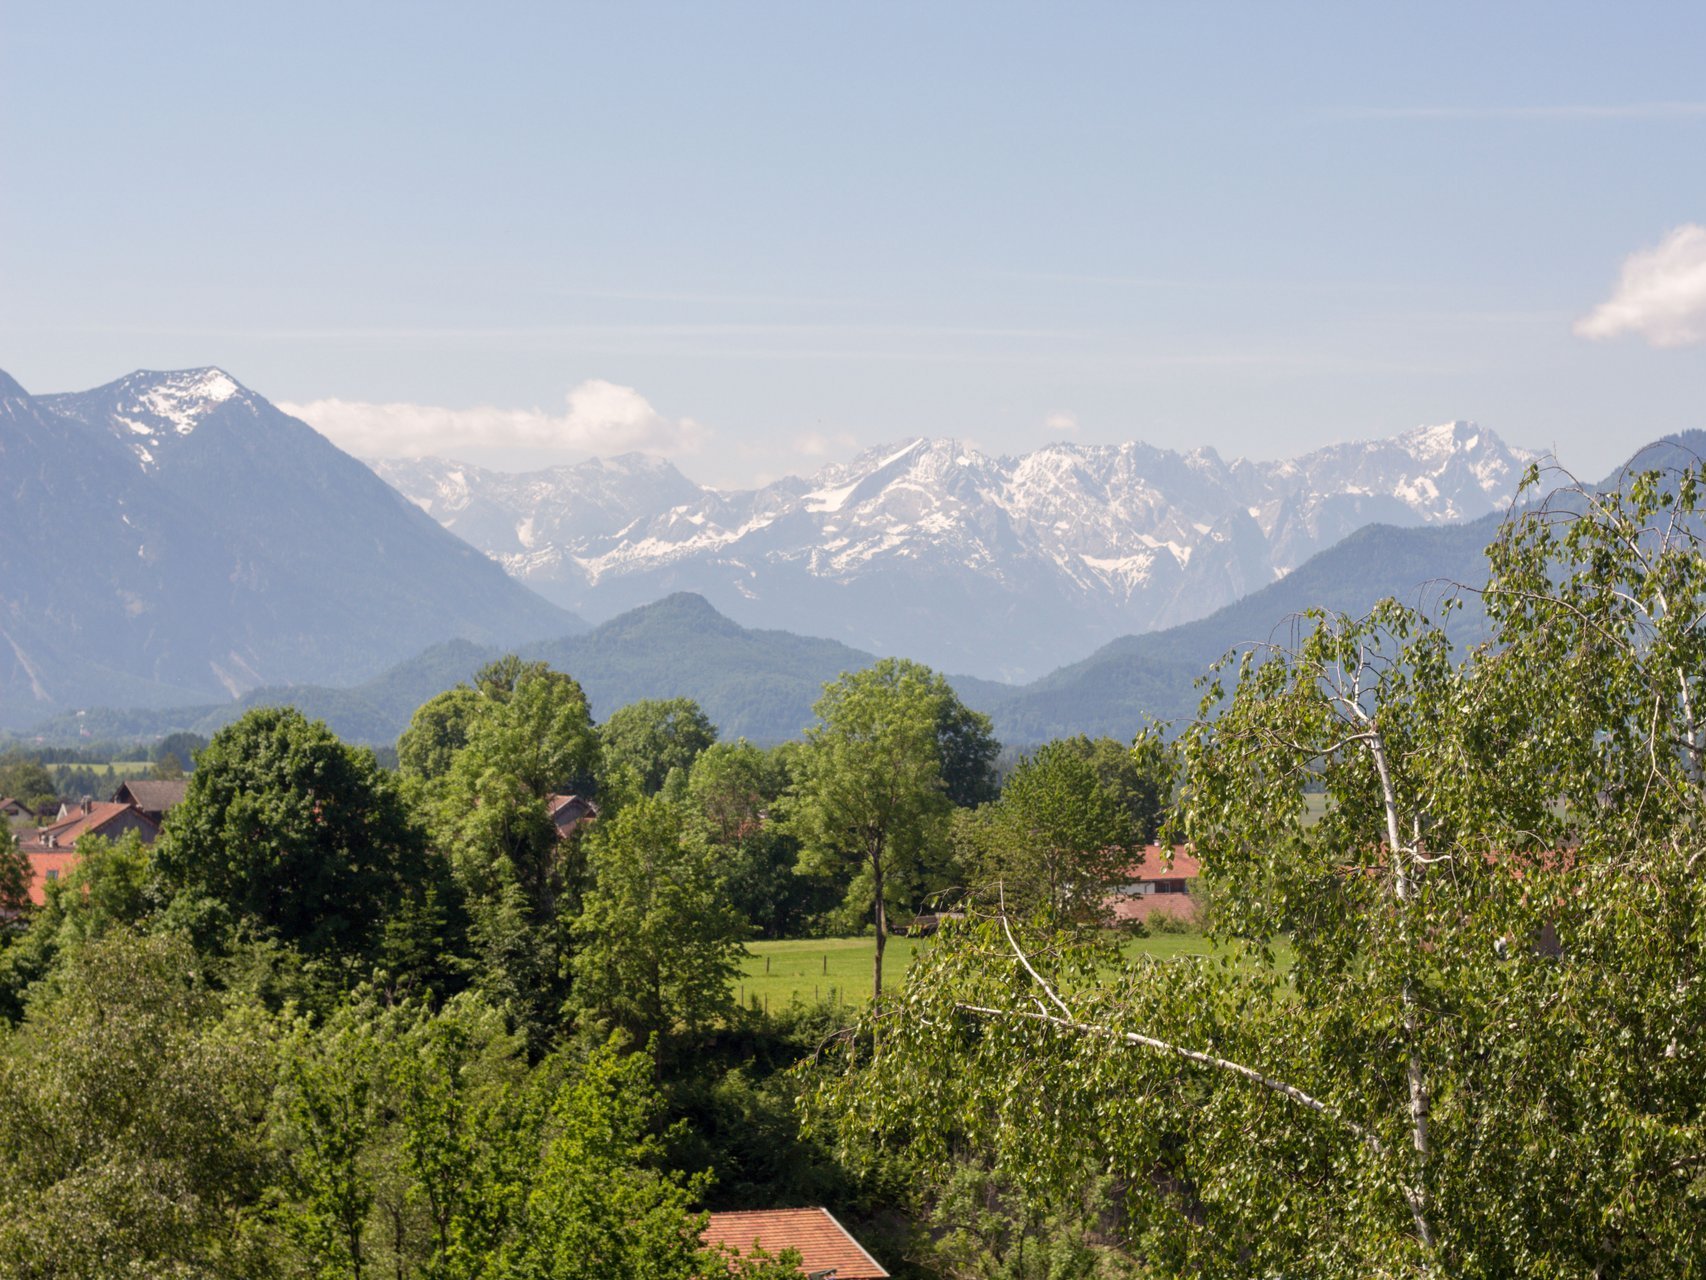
[[995, 565]]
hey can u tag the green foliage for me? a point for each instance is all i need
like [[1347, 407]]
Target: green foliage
[[436, 732], [181, 746], [733, 789], [530, 737], [104, 891], [1486, 1057], [654, 737], [868, 804], [600, 1209], [26, 779], [1055, 842], [133, 1141], [421, 1144], [295, 836], [657, 944], [981, 1228], [14, 883]]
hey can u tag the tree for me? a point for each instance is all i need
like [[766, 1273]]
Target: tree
[[601, 1209], [295, 835], [1485, 1058], [436, 732], [530, 737], [657, 942], [1139, 776], [966, 741], [654, 737], [15, 877], [26, 779], [1056, 841], [182, 746], [132, 1142], [733, 788], [870, 804], [105, 891]]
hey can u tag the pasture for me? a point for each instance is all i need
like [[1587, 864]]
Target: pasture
[[839, 969]]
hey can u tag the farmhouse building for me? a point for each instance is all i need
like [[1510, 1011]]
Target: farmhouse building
[[569, 813], [52, 850], [827, 1249], [152, 798], [1160, 885]]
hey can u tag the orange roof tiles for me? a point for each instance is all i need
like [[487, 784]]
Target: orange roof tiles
[[1165, 864], [824, 1245], [54, 848]]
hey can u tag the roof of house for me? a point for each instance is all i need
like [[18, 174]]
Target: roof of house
[[1164, 864], [67, 831], [152, 796], [10, 804], [824, 1245], [568, 812]]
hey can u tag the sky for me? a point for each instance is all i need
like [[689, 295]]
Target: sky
[[755, 238]]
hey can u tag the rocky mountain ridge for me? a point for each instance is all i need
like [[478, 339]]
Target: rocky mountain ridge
[[172, 535], [1004, 567]]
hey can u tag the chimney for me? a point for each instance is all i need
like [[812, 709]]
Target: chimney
[[88, 804]]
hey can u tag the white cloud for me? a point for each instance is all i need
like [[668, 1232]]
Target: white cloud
[[1660, 295], [1062, 420], [815, 444], [599, 418]]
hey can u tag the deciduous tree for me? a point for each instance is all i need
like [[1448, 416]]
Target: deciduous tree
[[1486, 1057], [657, 941], [870, 802], [294, 834]]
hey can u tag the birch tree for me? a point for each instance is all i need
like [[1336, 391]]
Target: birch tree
[[1480, 1052]]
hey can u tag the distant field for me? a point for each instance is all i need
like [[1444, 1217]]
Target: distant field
[[839, 969]]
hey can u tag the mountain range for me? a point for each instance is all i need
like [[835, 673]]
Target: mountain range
[[761, 684], [172, 537], [1002, 567]]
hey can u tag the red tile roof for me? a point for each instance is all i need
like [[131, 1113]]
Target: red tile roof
[[53, 848], [1164, 864], [49, 866], [824, 1245]]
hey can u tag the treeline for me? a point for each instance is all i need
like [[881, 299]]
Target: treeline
[[433, 1021], [44, 777]]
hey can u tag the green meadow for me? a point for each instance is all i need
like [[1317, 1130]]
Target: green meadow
[[839, 969]]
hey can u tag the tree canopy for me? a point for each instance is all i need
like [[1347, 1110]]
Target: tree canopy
[[293, 834], [1481, 1056], [871, 794]]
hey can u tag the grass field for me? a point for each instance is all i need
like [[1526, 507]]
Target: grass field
[[839, 969]]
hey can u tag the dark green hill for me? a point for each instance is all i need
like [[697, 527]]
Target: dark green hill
[[761, 684], [756, 684], [1153, 675]]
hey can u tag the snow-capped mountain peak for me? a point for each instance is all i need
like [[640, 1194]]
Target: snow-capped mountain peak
[[999, 566], [149, 410]]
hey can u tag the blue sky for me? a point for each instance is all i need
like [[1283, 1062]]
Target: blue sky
[[757, 237]]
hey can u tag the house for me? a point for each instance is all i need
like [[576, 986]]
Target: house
[[153, 798], [52, 850], [1160, 885], [827, 1250], [16, 813], [569, 813]]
